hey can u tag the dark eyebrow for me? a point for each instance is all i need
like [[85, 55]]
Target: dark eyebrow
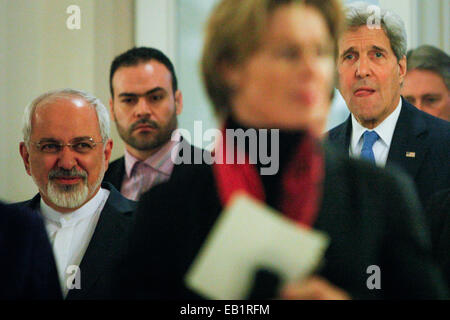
[[379, 49], [48, 140], [132, 95], [78, 139], [126, 94], [432, 95]]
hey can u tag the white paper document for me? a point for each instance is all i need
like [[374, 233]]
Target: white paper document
[[249, 235]]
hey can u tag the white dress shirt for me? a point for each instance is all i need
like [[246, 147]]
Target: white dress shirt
[[70, 233], [385, 131]]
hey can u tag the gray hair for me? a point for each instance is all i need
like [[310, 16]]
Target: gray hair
[[100, 109], [432, 59], [361, 13]]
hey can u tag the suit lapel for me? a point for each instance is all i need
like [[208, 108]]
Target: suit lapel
[[116, 173], [341, 135], [409, 142], [107, 240], [33, 203], [346, 133]]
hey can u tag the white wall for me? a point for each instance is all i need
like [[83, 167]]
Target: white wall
[[155, 25], [175, 27], [427, 22], [408, 11]]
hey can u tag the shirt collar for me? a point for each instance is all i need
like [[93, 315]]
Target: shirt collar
[[385, 129], [71, 218], [157, 159]]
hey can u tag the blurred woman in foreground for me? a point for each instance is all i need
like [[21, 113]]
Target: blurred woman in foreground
[[270, 64]]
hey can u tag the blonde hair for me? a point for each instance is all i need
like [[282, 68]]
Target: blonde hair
[[234, 32]]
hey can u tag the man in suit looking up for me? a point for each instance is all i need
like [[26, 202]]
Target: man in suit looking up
[[145, 102], [384, 128], [427, 82], [66, 150]]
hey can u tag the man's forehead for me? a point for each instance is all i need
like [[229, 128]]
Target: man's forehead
[[58, 101], [65, 115], [364, 37], [144, 73]]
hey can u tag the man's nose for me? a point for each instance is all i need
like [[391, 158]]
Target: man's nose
[[67, 158], [143, 107], [362, 68]]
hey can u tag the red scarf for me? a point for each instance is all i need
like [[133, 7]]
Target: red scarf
[[301, 180]]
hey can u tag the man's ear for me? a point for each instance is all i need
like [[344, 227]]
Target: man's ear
[[111, 110], [25, 157], [108, 152], [178, 102], [402, 69]]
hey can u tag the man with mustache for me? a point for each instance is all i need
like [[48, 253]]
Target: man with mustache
[[383, 127], [144, 104], [66, 148]]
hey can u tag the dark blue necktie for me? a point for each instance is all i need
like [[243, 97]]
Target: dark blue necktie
[[369, 139]]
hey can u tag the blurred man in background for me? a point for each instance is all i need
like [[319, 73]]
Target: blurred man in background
[[27, 270], [427, 81]]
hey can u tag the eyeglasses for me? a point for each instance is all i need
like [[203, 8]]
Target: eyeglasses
[[83, 146]]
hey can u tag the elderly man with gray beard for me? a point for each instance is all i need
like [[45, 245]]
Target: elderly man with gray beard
[[66, 150]]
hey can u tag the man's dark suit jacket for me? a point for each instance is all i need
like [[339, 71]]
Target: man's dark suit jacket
[[27, 267], [371, 216], [439, 212], [106, 248], [116, 169], [419, 132]]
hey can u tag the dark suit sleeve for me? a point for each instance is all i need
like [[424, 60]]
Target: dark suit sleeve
[[438, 213], [141, 275], [43, 283], [28, 270], [170, 224], [407, 242]]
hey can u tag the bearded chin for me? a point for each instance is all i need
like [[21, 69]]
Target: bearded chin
[[71, 196], [68, 196]]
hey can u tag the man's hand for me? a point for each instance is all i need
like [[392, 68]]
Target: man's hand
[[313, 288]]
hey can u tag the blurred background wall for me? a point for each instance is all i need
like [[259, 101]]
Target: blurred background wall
[[38, 53]]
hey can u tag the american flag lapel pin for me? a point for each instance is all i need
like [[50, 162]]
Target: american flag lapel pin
[[410, 154]]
